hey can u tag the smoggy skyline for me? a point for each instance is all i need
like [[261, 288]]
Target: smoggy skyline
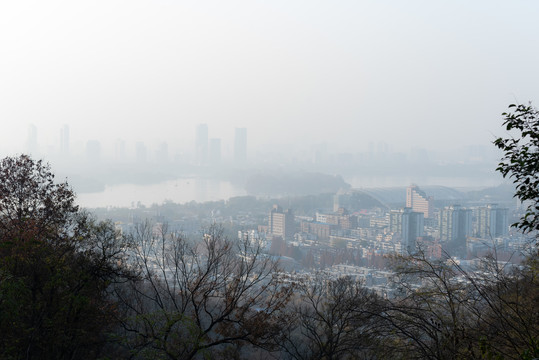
[[416, 73]]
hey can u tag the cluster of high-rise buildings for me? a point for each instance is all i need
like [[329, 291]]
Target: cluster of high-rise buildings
[[207, 151], [418, 225]]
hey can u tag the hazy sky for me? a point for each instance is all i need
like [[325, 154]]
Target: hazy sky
[[411, 73]]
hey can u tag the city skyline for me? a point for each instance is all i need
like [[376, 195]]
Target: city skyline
[[433, 76], [233, 150]]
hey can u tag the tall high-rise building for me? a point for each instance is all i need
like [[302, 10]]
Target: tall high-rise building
[[215, 152], [281, 223], [455, 224], [64, 140], [395, 221], [412, 228], [419, 201], [492, 221], [409, 224], [240, 146], [201, 144]]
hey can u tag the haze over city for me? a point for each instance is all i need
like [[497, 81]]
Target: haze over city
[[410, 74], [305, 179]]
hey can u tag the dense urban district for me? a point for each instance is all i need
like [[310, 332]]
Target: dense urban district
[[418, 272], [354, 232]]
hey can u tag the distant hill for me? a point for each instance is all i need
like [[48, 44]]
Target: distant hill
[[279, 184], [501, 194]]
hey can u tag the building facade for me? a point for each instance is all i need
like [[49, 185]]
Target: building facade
[[409, 224], [412, 228], [419, 201], [491, 221], [455, 224], [281, 223]]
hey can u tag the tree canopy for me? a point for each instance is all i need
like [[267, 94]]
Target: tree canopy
[[56, 266], [520, 159]]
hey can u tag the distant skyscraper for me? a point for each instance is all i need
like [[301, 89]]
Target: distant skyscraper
[[418, 201], [64, 140], [240, 145], [215, 152], [455, 224], [492, 221], [201, 145], [31, 141], [409, 224], [395, 221], [412, 228]]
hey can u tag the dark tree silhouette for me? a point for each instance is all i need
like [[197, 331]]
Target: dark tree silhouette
[[56, 267], [333, 319], [444, 311], [198, 298], [520, 160], [29, 195]]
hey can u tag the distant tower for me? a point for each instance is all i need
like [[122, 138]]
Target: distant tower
[[215, 152], [201, 144], [240, 146], [64, 140], [418, 201], [31, 141], [455, 224], [395, 221], [492, 221], [412, 228], [409, 224]]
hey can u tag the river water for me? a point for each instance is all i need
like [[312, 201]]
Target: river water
[[179, 191], [200, 190]]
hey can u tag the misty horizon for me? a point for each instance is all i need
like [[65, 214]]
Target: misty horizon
[[113, 92], [133, 174], [423, 75]]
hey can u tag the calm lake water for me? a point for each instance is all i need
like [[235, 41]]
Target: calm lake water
[[201, 190], [178, 191]]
